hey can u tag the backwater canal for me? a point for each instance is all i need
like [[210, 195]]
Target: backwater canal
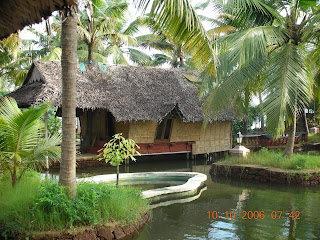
[[228, 208]]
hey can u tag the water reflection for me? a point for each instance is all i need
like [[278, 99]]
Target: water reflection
[[190, 220]]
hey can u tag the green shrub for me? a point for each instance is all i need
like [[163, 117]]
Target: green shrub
[[43, 205], [275, 159], [313, 138], [299, 162]]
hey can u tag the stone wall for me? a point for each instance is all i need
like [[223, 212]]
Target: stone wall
[[266, 174], [100, 232]]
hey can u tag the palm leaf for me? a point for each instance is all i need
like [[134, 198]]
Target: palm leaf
[[177, 20], [288, 85]]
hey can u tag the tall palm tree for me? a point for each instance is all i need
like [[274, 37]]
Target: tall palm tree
[[67, 175], [97, 21], [13, 62], [120, 38], [272, 47], [47, 46], [179, 21], [173, 52]]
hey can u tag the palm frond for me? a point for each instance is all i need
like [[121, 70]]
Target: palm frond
[[288, 85], [54, 55], [117, 55], [228, 90], [140, 58], [177, 20], [134, 26]]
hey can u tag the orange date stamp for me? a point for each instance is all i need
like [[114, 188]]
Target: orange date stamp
[[254, 215]]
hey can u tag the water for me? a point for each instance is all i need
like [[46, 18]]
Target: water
[[191, 220]]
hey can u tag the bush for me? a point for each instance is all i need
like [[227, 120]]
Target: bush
[[275, 159], [43, 205], [313, 138]]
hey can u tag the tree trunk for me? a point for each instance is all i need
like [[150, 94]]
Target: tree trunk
[[291, 136], [305, 122], [180, 55], [245, 124], [90, 52], [118, 170], [69, 75], [261, 113]]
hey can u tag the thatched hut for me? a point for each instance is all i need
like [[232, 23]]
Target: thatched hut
[[158, 108], [14, 15]]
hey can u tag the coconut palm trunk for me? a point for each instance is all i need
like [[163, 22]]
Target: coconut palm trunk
[[261, 114], [291, 137], [69, 69]]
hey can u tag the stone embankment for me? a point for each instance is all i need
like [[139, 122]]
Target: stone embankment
[[266, 174], [99, 232]]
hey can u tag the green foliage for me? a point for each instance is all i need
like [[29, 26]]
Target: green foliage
[[237, 125], [2, 93], [313, 138], [275, 159], [34, 206], [118, 149], [54, 123], [16, 202], [266, 53], [22, 145]]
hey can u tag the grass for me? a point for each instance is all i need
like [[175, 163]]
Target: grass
[[275, 159], [34, 205], [313, 138]]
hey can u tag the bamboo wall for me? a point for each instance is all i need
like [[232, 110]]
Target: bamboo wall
[[214, 138], [182, 131], [143, 131]]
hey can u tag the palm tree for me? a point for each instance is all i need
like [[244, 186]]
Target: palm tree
[[173, 52], [22, 143], [121, 37], [67, 175], [13, 63], [99, 20], [179, 21], [47, 46], [271, 47]]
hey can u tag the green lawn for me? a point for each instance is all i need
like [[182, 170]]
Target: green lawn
[[275, 159], [35, 205]]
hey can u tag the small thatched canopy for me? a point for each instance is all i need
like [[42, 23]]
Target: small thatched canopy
[[129, 93], [16, 14]]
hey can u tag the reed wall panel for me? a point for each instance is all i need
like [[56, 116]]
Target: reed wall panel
[[182, 131], [214, 138], [143, 131]]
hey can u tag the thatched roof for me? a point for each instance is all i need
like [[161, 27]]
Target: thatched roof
[[130, 93], [16, 14]]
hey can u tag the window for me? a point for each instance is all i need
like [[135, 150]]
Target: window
[[164, 130]]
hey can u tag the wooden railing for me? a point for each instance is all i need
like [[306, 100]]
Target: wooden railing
[[263, 140]]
